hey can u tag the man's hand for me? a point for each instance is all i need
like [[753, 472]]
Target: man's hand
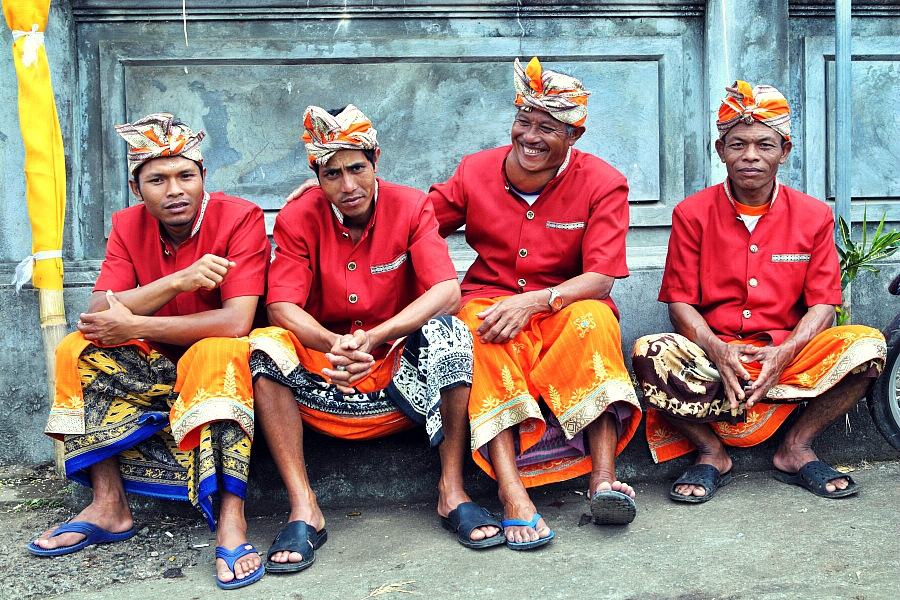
[[306, 185], [774, 360], [109, 327], [209, 272], [351, 359], [729, 360], [504, 320]]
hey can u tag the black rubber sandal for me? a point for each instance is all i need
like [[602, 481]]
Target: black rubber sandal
[[814, 475], [297, 537], [466, 518], [706, 476]]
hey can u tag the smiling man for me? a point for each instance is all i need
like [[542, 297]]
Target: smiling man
[[361, 289], [551, 398], [751, 282], [183, 272]]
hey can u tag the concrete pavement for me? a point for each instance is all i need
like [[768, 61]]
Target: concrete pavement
[[757, 539]]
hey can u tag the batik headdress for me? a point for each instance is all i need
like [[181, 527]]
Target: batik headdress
[[159, 135], [327, 133], [562, 96], [763, 104]]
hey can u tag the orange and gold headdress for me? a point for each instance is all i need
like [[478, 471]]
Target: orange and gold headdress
[[327, 133], [159, 135], [763, 103], [562, 96]]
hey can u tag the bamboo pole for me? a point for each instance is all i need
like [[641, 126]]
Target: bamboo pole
[[53, 330]]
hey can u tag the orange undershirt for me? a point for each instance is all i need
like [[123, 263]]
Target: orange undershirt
[[752, 211]]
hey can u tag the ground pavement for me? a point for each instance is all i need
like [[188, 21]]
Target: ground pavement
[[757, 539]]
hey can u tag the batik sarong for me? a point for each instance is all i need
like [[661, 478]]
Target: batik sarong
[[572, 361], [120, 400], [402, 391], [679, 379]]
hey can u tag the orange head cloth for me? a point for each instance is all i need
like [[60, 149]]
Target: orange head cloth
[[159, 135], [326, 133], [763, 103], [562, 96]]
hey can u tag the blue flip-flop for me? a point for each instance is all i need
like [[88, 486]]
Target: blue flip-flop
[[230, 557], [520, 523], [94, 533]]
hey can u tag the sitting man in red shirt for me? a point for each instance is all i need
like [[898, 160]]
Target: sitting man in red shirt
[[361, 289], [183, 272], [751, 280], [551, 398]]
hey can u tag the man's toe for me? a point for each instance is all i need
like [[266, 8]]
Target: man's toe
[[224, 574], [295, 557]]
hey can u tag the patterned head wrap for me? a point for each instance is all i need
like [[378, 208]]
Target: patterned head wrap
[[763, 103], [158, 135], [326, 133], [562, 96]]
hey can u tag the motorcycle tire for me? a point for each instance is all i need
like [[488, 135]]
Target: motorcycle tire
[[884, 399]]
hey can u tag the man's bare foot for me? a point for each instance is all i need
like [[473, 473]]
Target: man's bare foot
[[449, 500], [721, 461], [231, 533], [790, 459], [616, 486], [312, 516], [517, 505], [114, 517]]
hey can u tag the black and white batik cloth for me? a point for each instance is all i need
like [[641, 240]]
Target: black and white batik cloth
[[435, 358]]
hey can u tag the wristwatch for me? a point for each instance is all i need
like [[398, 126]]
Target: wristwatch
[[556, 300]]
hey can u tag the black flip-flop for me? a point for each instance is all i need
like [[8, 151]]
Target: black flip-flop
[[466, 518], [609, 507], [814, 475], [297, 537], [706, 476]]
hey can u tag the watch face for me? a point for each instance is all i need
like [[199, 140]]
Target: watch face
[[557, 303]]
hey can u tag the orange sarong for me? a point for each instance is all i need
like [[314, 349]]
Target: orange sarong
[[287, 352], [677, 377], [182, 433], [572, 360], [213, 384]]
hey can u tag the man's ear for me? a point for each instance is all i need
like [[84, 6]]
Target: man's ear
[[377, 155], [785, 150], [579, 131], [135, 189], [720, 148]]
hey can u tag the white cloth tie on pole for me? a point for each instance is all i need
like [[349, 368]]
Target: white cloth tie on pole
[[34, 39], [25, 268]]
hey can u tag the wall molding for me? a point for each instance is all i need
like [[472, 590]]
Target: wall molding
[[825, 8], [161, 10]]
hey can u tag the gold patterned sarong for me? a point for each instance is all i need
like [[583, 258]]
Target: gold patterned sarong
[[118, 401], [678, 378], [572, 360]]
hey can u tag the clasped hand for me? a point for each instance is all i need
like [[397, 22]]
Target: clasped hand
[[730, 360], [352, 352]]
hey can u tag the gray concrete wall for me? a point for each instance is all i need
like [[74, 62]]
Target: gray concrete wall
[[439, 71]]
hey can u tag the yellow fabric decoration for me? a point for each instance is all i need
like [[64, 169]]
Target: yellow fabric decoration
[[45, 166]]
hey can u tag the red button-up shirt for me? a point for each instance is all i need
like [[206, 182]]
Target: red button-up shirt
[[745, 284], [137, 254], [346, 286], [577, 225]]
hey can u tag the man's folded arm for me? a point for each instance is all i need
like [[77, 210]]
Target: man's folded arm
[[310, 332], [118, 324], [442, 298]]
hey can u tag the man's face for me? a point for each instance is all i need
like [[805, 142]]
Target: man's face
[[172, 190], [539, 141], [348, 181], [752, 154]]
